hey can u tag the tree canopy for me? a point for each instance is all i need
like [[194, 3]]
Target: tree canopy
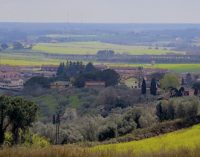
[[70, 69], [170, 81], [4, 46]]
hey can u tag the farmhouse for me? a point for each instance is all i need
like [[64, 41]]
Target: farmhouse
[[95, 84], [60, 85]]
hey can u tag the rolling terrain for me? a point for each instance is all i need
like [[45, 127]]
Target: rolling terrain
[[183, 143], [186, 138]]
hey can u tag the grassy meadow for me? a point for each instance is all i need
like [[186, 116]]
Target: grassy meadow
[[179, 68], [183, 143], [93, 47]]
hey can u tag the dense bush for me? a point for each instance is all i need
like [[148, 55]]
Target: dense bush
[[114, 97], [38, 81], [170, 81], [68, 134], [109, 76], [177, 108], [108, 132], [133, 118]]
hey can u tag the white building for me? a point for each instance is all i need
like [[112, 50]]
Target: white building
[[12, 84]]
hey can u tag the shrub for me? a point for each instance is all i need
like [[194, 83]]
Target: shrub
[[8, 139], [108, 132], [177, 108], [90, 129]]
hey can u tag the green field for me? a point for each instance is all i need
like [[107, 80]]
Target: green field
[[22, 59], [180, 67], [93, 47], [34, 58], [187, 138]]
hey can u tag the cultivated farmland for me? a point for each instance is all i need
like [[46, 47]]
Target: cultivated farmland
[[93, 47]]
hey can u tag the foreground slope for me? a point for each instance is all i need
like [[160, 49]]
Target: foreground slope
[[183, 143], [186, 138]]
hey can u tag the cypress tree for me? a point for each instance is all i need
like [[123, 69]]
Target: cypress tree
[[144, 88], [182, 81], [153, 88]]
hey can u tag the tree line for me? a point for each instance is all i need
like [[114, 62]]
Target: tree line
[[82, 73], [15, 46]]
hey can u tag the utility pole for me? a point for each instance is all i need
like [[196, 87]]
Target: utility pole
[[56, 122], [140, 75]]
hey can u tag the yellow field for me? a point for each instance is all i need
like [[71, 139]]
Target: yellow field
[[187, 138], [20, 62], [37, 62], [171, 67], [35, 59]]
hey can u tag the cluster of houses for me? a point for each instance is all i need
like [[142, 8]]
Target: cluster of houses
[[11, 80], [13, 77]]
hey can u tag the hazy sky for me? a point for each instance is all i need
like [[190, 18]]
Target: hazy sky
[[131, 11]]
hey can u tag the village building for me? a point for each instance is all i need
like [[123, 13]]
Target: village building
[[60, 85], [95, 84], [10, 75], [5, 68], [188, 91], [12, 84]]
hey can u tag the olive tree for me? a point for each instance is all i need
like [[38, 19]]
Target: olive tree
[[4, 121], [21, 114], [15, 113]]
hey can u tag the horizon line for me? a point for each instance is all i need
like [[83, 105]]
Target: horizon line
[[51, 22]]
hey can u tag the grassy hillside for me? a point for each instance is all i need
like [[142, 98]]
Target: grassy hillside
[[183, 143], [93, 47], [187, 138]]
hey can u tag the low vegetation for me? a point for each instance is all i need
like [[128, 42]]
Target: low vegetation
[[188, 138], [176, 144]]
